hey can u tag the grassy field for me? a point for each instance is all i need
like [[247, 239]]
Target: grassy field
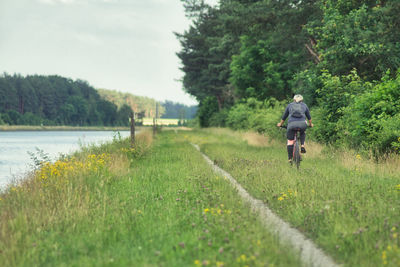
[[348, 205], [165, 122], [158, 204]]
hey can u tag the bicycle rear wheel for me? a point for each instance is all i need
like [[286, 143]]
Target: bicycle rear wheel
[[296, 154]]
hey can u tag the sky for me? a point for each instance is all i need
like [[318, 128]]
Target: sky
[[123, 45]]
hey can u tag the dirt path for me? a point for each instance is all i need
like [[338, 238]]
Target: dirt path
[[310, 254]]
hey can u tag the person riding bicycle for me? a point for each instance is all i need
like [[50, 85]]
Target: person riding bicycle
[[297, 111]]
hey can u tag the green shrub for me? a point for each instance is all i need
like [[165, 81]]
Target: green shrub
[[256, 115], [208, 107], [335, 95], [373, 120], [219, 119], [238, 116]]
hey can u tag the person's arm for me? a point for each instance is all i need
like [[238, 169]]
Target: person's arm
[[280, 123], [308, 115]]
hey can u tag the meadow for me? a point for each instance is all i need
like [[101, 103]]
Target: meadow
[[160, 204], [347, 204], [157, 204]]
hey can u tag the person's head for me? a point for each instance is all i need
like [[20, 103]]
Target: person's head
[[298, 98]]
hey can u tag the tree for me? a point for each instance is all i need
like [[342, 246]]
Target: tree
[[361, 35], [107, 111], [123, 115]]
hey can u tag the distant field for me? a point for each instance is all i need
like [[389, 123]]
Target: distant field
[[149, 121]]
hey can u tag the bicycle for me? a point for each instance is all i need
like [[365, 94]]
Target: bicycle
[[296, 148]]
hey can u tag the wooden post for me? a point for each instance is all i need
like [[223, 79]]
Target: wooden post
[[132, 129], [154, 126]]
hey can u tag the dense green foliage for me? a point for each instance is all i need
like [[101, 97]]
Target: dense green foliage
[[342, 56], [149, 107], [180, 111], [54, 100]]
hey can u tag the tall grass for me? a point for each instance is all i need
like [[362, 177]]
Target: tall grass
[[349, 205], [156, 204]]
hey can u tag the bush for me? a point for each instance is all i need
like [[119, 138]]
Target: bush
[[1, 120], [219, 119], [335, 95], [12, 117], [372, 121], [29, 119], [208, 107], [256, 115], [238, 116]]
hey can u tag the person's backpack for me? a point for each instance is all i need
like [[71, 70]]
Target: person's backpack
[[296, 110]]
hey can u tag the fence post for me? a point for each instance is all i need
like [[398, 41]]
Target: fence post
[[154, 126], [132, 129]]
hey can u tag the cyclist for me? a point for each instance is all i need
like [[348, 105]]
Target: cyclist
[[297, 111]]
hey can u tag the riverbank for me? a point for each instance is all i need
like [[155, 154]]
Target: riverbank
[[60, 128]]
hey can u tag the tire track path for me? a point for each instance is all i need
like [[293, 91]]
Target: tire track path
[[310, 254]]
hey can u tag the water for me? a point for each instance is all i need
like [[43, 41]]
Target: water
[[15, 145]]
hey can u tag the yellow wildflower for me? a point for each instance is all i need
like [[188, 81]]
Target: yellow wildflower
[[206, 210], [197, 262], [358, 156], [280, 198]]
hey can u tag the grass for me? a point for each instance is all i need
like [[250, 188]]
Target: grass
[[158, 204], [346, 204]]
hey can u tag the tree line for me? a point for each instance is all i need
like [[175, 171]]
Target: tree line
[[242, 58], [55, 100], [149, 106], [174, 110]]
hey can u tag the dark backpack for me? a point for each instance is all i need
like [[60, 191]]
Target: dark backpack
[[296, 110]]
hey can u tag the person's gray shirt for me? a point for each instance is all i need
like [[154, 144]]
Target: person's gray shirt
[[305, 109]]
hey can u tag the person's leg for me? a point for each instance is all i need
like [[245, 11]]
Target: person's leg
[[303, 140], [290, 142], [302, 137], [303, 127]]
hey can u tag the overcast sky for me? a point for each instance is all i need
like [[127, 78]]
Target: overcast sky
[[126, 45]]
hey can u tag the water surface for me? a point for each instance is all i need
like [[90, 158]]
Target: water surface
[[15, 145]]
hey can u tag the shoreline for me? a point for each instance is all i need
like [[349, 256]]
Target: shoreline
[[62, 128]]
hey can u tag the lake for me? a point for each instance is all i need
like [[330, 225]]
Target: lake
[[15, 145]]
